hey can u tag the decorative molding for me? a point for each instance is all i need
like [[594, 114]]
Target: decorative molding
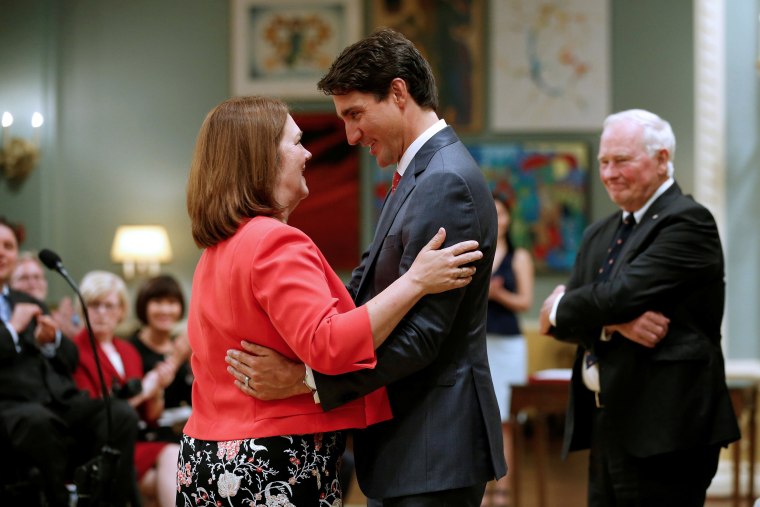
[[710, 108], [710, 115]]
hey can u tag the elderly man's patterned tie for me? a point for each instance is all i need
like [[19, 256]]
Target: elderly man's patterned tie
[[623, 231]]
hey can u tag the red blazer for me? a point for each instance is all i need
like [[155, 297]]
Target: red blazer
[[270, 284], [86, 378], [86, 374]]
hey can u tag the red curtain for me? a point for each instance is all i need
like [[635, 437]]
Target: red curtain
[[330, 215]]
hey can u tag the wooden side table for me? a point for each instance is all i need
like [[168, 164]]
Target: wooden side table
[[542, 399], [744, 399]]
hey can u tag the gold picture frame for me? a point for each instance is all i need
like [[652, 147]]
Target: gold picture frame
[[282, 48]]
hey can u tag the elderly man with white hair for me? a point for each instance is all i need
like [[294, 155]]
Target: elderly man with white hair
[[644, 303]]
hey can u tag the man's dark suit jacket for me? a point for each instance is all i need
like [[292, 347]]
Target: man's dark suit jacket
[[674, 396], [30, 376], [446, 429]]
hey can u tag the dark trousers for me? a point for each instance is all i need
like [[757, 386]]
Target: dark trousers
[[470, 496], [56, 439], [618, 479]]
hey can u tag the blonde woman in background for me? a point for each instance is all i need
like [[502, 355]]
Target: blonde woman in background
[[106, 301]]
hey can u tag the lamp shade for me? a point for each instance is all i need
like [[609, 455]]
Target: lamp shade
[[141, 243]]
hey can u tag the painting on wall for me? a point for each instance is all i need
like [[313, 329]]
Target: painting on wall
[[330, 215], [549, 65], [546, 185], [283, 47], [449, 34]]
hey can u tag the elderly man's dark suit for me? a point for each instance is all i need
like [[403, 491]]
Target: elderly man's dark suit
[[50, 423], [446, 430], [672, 397]]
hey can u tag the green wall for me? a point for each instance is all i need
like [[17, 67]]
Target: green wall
[[124, 96], [742, 241]]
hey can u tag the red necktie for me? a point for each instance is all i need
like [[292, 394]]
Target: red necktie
[[396, 179]]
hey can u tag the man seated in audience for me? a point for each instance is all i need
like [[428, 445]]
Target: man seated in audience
[[48, 423], [29, 276]]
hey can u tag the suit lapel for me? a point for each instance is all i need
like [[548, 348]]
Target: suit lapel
[[647, 223], [391, 208], [405, 187], [23, 336], [601, 243]]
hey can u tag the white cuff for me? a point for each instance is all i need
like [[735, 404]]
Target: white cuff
[[14, 335], [309, 381], [553, 313]]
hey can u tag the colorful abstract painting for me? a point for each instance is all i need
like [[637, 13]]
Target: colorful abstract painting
[[546, 185]]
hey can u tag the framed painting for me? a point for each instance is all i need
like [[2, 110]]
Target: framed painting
[[549, 65], [283, 47], [449, 34], [330, 215], [546, 185]]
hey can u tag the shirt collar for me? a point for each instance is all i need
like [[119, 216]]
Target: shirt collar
[[639, 214], [413, 148], [5, 291]]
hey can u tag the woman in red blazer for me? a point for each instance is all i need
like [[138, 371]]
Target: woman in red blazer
[[105, 296], [260, 279]]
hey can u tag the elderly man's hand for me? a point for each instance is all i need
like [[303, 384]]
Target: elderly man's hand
[[544, 324], [648, 329], [265, 374]]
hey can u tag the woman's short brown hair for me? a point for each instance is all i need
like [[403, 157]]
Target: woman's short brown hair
[[234, 167], [158, 287]]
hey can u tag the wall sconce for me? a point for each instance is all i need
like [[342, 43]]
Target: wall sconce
[[141, 248], [18, 156]]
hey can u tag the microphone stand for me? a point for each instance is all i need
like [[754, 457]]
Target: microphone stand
[[93, 345], [93, 479]]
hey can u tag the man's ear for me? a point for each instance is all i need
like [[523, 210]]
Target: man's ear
[[663, 157], [399, 92]]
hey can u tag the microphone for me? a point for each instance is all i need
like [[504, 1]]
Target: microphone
[[94, 478], [53, 261]]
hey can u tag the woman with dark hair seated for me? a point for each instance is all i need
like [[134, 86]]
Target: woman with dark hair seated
[[160, 307]]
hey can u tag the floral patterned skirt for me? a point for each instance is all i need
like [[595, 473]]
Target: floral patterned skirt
[[284, 471]]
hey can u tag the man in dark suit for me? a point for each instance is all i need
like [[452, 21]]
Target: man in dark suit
[[645, 303], [47, 423], [444, 441]]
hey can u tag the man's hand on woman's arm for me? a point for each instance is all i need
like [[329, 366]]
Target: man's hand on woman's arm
[[271, 376]]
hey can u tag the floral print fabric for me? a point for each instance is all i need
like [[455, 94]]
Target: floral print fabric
[[284, 471]]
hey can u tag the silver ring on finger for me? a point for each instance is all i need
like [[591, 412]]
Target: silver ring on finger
[[247, 378]]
